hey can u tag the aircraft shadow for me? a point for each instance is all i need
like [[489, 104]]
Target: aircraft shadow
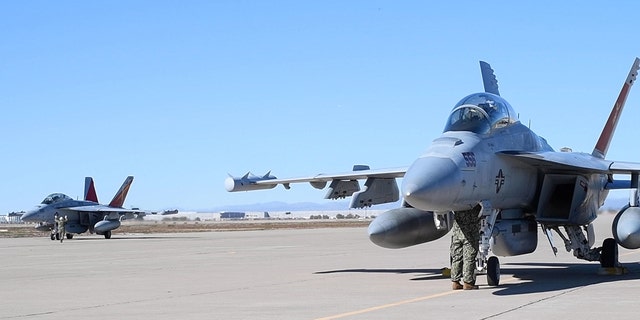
[[547, 277], [115, 238], [535, 277], [425, 274]]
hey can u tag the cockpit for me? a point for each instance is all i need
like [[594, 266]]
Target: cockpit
[[480, 113], [55, 197]]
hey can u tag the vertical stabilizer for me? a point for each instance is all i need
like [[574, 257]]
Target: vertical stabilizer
[[489, 79], [121, 195], [602, 146], [90, 190]]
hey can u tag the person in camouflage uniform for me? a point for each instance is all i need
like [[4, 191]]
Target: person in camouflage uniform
[[465, 240], [62, 221]]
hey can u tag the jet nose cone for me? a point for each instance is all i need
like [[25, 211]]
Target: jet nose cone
[[432, 183], [30, 215]]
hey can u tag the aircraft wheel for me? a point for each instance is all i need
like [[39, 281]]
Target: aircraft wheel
[[53, 237], [107, 235], [57, 236], [69, 236], [609, 255], [493, 271]]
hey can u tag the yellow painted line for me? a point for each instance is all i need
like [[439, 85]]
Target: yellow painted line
[[399, 303]]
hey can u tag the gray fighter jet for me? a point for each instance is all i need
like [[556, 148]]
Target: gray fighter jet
[[85, 214], [486, 156]]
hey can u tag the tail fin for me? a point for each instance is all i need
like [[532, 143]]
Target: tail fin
[[489, 79], [121, 195], [90, 190], [602, 146]]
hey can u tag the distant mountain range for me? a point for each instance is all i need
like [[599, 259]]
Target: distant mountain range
[[279, 206]]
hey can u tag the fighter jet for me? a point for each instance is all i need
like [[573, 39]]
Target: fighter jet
[[85, 214], [487, 157]]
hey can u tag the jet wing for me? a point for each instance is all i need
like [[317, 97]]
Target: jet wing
[[352, 175], [380, 185], [551, 161], [106, 210], [574, 162], [625, 167], [580, 163]]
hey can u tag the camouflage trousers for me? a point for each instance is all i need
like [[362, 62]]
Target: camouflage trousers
[[463, 257]]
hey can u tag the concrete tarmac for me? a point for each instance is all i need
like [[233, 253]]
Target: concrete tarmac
[[296, 274]]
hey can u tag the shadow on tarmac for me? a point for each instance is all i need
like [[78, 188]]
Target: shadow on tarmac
[[431, 274], [115, 238], [534, 277], [546, 277]]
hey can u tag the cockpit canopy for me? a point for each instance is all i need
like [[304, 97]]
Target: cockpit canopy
[[480, 113], [55, 197]]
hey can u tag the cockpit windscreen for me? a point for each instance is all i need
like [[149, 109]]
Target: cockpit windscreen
[[480, 113], [55, 197]]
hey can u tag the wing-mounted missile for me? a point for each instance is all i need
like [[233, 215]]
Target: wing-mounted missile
[[376, 191], [249, 182], [404, 227]]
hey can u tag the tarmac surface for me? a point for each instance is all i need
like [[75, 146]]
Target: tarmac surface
[[296, 274]]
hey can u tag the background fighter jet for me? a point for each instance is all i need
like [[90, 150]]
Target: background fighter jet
[[85, 214], [486, 156]]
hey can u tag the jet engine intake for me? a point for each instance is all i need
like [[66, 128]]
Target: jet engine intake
[[404, 227], [626, 227], [106, 225]]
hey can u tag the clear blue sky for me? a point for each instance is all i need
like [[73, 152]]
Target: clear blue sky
[[180, 93]]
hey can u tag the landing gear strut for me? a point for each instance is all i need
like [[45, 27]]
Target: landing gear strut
[[485, 263]]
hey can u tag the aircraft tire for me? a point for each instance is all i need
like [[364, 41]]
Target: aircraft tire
[[57, 236], [107, 235], [69, 236], [609, 255], [53, 237], [493, 271]]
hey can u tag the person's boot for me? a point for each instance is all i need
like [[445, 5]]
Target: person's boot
[[455, 285], [469, 286]]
